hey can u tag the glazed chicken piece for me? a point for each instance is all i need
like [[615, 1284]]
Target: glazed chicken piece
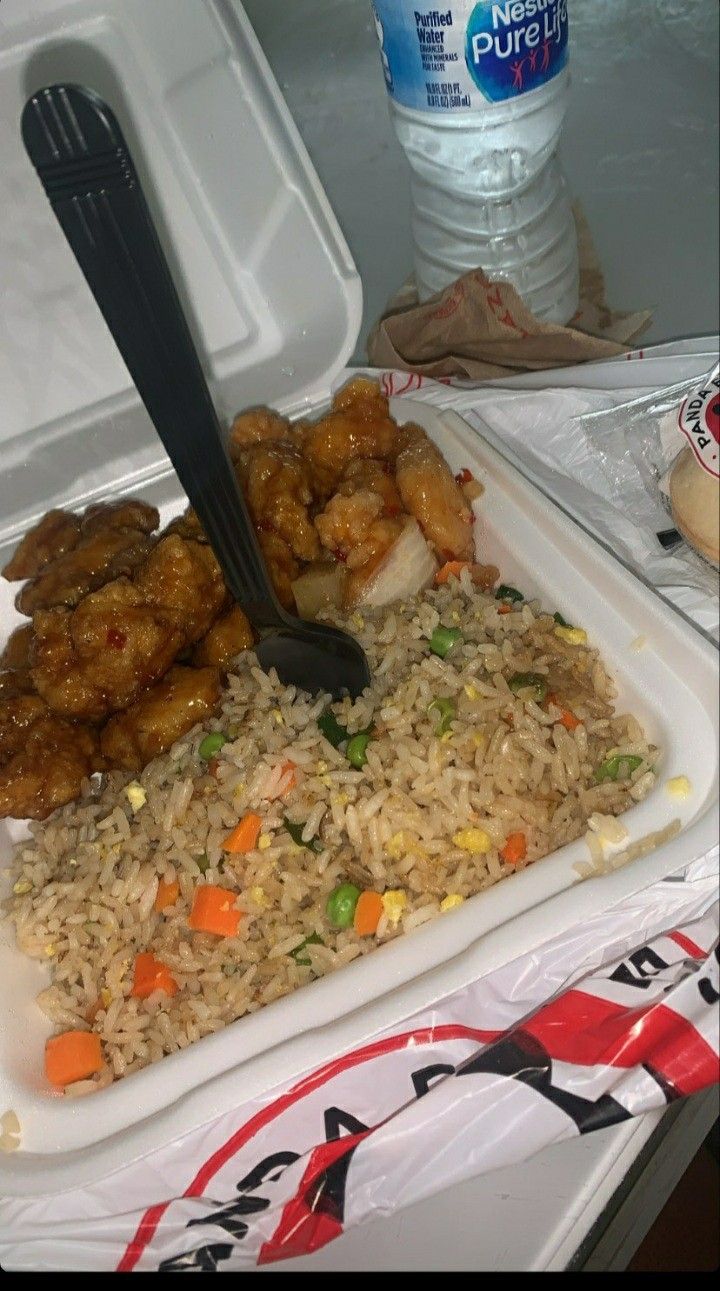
[[378, 477], [359, 426], [187, 526], [17, 714], [128, 513], [93, 660], [90, 661], [257, 426], [57, 533], [102, 555], [228, 637], [183, 579], [161, 716], [48, 769], [16, 655], [359, 534], [430, 493], [276, 481], [15, 683], [282, 566]]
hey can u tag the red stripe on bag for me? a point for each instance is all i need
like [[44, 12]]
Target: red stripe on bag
[[691, 947], [427, 1035], [588, 1031]]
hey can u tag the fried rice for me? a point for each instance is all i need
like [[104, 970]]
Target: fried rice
[[85, 884]]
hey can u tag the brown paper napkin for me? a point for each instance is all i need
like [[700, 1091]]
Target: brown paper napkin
[[480, 329]]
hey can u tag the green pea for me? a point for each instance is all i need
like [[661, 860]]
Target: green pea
[[505, 593], [447, 710], [356, 752], [443, 640], [212, 744], [532, 681], [312, 940], [340, 907], [611, 768]]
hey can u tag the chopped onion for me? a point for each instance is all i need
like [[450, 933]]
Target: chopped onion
[[320, 587], [408, 567]]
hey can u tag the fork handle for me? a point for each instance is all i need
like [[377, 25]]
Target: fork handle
[[77, 147]]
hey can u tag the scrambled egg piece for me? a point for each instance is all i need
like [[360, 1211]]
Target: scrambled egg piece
[[678, 787], [573, 636], [257, 896], [471, 692], [452, 901], [472, 840], [394, 902], [22, 887], [264, 841], [136, 795]]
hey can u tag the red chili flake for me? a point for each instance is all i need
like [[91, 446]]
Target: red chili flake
[[116, 638], [393, 510], [340, 555], [464, 476], [473, 517]]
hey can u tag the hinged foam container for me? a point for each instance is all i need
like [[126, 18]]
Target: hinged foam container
[[275, 305]]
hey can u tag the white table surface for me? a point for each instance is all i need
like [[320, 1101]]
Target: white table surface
[[640, 151]]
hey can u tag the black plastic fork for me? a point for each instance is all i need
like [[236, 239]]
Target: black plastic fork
[[84, 164]]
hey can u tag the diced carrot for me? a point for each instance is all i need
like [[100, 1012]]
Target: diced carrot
[[567, 718], [450, 567], [505, 609], [214, 911], [167, 895], [367, 913], [74, 1055], [515, 848], [245, 835], [151, 975]]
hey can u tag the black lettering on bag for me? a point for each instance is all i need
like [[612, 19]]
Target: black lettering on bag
[[229, 1217], [640, 968], [326, 1194], [204, 1260], [522, 1057], [423, 1079], [707, 990], [338, 1123], [670, 1093], [279, 1161]]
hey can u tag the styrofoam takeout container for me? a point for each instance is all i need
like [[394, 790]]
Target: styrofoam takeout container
[[76, 451]]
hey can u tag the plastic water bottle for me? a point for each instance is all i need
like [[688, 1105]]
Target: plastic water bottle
[[478, 92]]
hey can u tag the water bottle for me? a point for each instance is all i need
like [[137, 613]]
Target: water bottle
[[478, 92]]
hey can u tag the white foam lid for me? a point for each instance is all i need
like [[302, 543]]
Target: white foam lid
[[266, 278]]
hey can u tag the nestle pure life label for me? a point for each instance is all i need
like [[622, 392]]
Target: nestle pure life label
[[465, 54]]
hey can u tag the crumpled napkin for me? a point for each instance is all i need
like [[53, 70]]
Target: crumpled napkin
[[481, 329]]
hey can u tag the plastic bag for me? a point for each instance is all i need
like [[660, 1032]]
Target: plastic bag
[[608, 1021], [637, 444]]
